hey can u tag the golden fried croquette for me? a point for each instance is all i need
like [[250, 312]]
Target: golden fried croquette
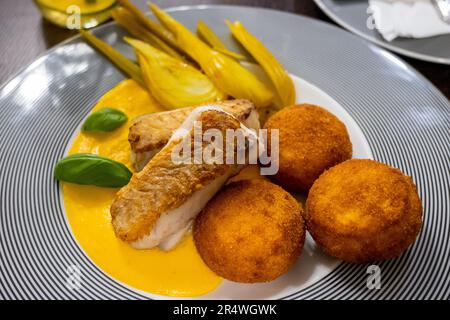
[[311, 140], [252, 231], [363, 211]]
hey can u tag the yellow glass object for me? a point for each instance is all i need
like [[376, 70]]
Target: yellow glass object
[[76, 14]]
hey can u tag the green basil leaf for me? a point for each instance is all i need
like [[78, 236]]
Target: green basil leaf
[[85, 168], [104, 120]]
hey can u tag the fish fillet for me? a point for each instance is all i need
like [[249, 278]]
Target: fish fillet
[[150, 132], [159, 203]]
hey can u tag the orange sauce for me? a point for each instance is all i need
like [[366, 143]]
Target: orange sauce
[[180, 272]]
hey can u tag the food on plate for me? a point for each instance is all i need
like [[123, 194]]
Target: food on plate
[[252, 231], [311, 140], [158, 205], [126, 19], [84, 168], [251, 171], [226, 73], [363, 211], [276, 72], [206, 34], [156, 28], [171, 56], [150, 132], [179, 272], [104, 120], [173, 83], [122, 62]]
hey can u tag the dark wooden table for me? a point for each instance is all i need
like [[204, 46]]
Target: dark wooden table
[[24, 35]]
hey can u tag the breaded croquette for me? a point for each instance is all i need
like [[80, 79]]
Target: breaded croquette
[[252, 231], [363, 211], [311, 140]]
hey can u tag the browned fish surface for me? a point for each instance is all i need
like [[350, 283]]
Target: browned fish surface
[[163, 185], [150, 132]]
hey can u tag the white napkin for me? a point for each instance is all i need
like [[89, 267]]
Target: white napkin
[[407, 18]]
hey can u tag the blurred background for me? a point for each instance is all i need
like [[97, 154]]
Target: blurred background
[[25, 34]]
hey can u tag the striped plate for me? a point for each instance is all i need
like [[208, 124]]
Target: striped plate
[[404, 119]]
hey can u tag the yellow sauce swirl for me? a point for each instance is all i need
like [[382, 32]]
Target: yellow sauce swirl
[[179, 272]]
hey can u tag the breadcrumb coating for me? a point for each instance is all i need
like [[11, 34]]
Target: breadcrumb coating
[[363, 211], [252, 231]]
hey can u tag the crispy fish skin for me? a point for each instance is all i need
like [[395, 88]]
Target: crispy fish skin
[[164, 185], [150, 132]]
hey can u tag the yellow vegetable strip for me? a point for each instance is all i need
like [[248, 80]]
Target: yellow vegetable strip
[[154, 27], [231, 54], [122, 62], [226, 73], [173, 83], [276, 72], [126, 19], [214, 41]]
